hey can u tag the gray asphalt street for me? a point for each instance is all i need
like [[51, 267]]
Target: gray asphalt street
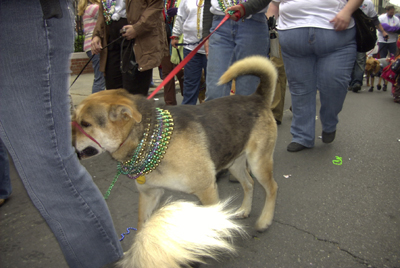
[[326, 215]]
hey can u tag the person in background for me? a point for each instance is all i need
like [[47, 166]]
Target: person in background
[[278, 101], [128, 62], [35, 127], [388, 46], [233, 41], [90, 11], [357, 75], [170, 10], [319, 53], [189, 24]]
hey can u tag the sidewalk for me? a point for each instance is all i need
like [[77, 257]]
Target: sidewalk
[[83, 86]]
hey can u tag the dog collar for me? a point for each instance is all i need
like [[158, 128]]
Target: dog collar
[[151, 149]]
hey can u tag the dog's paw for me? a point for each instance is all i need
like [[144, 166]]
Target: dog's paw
[[241, 214], [262, 226]]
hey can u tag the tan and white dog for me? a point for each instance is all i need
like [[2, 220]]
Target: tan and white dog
[[183, 147]]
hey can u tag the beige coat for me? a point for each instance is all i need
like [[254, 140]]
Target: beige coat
[[151, 38]]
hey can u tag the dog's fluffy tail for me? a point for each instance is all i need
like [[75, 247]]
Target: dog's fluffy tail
[[258, 66], [182, 233]]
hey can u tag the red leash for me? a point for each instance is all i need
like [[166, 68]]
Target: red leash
[[75, 124], [187, 59]]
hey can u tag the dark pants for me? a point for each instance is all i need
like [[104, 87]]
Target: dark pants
[[169, 88], [387, 48], [129, 78], [192, 77]]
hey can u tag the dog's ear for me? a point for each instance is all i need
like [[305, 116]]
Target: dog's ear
[[122, 112]]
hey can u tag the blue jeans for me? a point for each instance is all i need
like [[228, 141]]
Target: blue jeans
[[231, 42], [5, 183], [192, 77], [99, 83], [317, 59], [35, 127], [357, 75]]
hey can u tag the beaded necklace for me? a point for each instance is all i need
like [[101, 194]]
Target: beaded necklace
[[108, 10], [200, 5], [224, 4], [149, 152], [151, 149]]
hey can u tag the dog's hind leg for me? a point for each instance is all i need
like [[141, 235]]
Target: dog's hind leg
[[239, 171], [209, 195], [149, 198], [261, 166]]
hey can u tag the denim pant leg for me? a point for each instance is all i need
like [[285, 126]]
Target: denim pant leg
[[35, 127], [300, 65], [357, 75], [99, 82], [252, 38], [332, 83], [231, 42], [192, 77], [317, 59], [220, 57], [5, 183]]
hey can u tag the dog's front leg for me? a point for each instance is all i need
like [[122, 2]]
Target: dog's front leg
[[149, 198], [208, 196]]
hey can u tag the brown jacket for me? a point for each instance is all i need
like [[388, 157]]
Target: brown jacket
[[151, 39]]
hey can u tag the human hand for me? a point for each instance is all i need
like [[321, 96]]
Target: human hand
[[385, 35], [174, 42], [238, 12], [172, 11], [341, 21], [129, 32], [96, 45]]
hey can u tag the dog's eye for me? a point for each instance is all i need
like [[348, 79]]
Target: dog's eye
[[85, 124]]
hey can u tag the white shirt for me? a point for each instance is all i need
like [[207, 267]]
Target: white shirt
[[393, 21], [368, 8], [189, 22], [216, 9], [120, 11], [309, 13]]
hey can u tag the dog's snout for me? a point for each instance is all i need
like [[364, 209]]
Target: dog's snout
[[87, 152], [78, 154]]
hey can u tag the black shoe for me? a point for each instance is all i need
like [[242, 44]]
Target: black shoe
[[328, 137], [356, 88], [295, 147], [379, 87], [371, 89], [384, 88]]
